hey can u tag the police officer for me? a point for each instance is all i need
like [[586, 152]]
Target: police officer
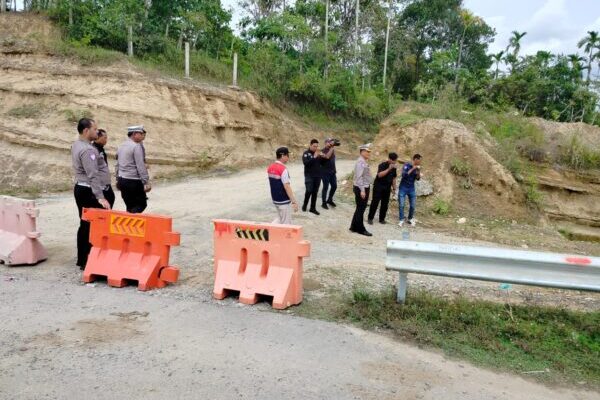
[[362, 184], [88, 184], [328, 173], [312, 175], [132, 176], [99, 144]]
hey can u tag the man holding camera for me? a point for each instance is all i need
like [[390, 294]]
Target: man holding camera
[[385, 183], [132, 176], [329, 172], [410, 174]]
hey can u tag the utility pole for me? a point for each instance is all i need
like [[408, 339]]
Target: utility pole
[[235, 62], [130, 41], [356, 33], [326, 38], [187, 60], [387, 41]]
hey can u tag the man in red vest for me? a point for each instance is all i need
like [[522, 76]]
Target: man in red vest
[[281, 188]]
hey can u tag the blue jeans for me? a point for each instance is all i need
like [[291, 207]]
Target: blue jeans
[[412, 199], [329, 182]]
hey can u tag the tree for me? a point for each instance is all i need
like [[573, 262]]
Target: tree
[[515, 43], [498, 57], [576, 62], [590, 43]]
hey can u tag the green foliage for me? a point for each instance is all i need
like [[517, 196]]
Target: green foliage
[[533, 196], [27, 111], [405, 119], [516, 338], [579, 156], [441, 206], [75, 115], [460, 167], [87, 55]]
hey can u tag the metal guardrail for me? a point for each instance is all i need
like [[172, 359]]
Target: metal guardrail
[[492, 264]]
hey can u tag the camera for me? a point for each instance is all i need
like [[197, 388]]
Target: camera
[[336, 142]]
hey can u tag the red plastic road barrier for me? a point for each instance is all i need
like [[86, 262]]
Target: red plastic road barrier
[[259, 259], [19, 238], [130, 247]]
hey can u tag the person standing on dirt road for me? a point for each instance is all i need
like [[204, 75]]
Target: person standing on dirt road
[[88, 184], [99, 144], [312, 176], [328, 173], [383, 187], [132, 176], [281, 188], [362, 184], [410, 174]]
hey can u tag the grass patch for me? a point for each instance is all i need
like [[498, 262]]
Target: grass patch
[[75, 115], [405, 119], [576, 155], [533, 196], [26, 111], [564, 343], [441, 206], [85, 54]]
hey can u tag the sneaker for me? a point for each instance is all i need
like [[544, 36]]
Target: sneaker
[[331, 203], [325, 206], [401, 223], [370, 222], [412, 222], [314, 211]]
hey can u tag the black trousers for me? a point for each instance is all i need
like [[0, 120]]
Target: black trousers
[[312, 191], [358, 224], [383, 196], [132, 192], [109, 195], [84, 199], [329, 182]]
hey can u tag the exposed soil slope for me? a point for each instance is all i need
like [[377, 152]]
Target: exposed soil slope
[[191, 126]]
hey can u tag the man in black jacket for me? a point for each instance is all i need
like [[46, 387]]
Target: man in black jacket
[[385, 182], [312, 175]]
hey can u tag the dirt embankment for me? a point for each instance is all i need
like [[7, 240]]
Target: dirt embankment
[[463, 172], [191, 126]]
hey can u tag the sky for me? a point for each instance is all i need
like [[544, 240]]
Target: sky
[[551, 25]]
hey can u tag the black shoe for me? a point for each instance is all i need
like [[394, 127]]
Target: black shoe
[[370, 222], [383, 222], [314, 211], [366, 233], [304, 208], [325, 206], [331, 203]]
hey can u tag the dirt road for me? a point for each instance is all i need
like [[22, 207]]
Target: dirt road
[[63, 339]]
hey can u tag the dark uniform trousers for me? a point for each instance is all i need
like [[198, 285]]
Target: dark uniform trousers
[[109, 195], [329, 182], [312, 184], [84, 199], [358, 223], [132, 192], [380, 195]]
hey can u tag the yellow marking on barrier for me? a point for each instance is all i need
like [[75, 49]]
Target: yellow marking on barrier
[[128, 226], [253, 234]]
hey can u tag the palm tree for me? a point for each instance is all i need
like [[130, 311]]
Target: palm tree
[[497, 59], [544, 57], [590, 43], [515, 42], [576, 64]]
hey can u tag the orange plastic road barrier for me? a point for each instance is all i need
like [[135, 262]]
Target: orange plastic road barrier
[[130, 247], [19, 239], [259, 259]]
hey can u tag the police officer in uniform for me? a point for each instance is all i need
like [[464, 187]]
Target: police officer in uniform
[[132, 176], [103, 166], [88, 184], [312, 176], [362, 184]]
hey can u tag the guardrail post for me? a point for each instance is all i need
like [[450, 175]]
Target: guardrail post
[[402, 284]]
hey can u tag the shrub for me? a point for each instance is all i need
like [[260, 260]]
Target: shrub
[[460, 167], [441, 207], [26, 111], [533, 196], [75, 115], [576, 155]]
